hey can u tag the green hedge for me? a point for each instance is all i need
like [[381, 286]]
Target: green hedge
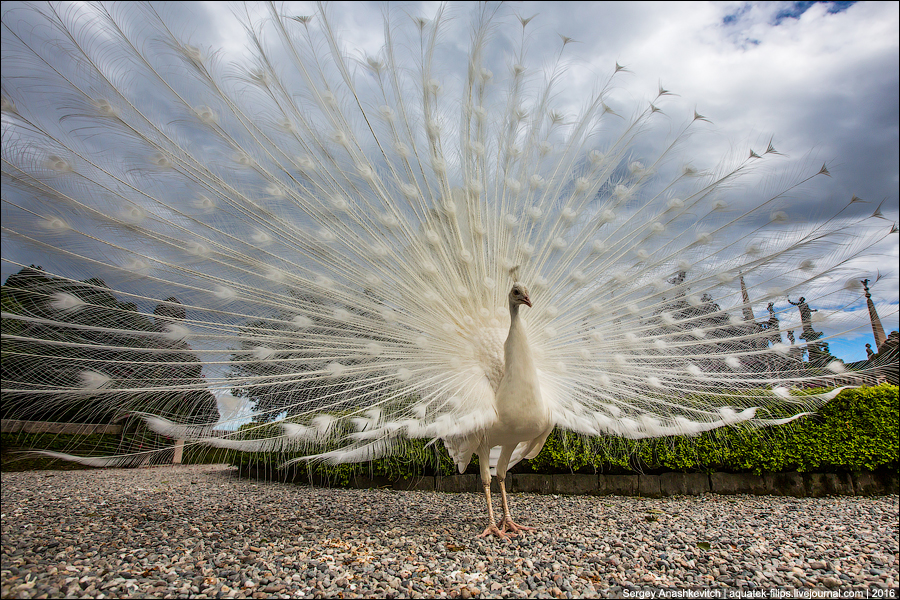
[[857, 431], [82, 445], [13, 459]]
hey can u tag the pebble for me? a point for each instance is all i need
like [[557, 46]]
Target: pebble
[[167, 532]]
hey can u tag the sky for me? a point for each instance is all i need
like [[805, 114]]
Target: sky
[[819, 79]]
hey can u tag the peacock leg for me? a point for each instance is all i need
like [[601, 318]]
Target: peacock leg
[[509, 526], [492, 525], [484, 464]]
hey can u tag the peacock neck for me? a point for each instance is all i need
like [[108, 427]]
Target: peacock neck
[[513, 313], [517, 353], [519, 395]]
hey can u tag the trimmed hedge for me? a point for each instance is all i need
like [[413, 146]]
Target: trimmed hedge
[[857, 431], [12, 459], [83, 445]]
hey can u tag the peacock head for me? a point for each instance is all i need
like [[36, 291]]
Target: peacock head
[[519, 295]]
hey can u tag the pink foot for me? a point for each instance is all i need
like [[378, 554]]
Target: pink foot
[[511, 526], [492, 529]]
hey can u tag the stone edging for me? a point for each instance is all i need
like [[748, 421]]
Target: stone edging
[[865, 483]]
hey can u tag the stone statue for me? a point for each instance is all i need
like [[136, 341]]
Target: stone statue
[[796, 352], [809, 333], [772, 325]]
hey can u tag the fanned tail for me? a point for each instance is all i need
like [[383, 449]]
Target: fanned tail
[[299, 253]]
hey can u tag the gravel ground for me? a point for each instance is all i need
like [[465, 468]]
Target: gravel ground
[[198, 530]]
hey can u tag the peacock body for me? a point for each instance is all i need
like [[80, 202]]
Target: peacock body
[[328, 241]]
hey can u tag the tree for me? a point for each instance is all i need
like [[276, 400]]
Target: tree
[[77, 336], [276, 368]]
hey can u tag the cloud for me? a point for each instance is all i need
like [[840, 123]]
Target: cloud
[[823, 83]]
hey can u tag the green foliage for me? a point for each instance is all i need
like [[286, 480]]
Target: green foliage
[[46, 348], [86, 445], [275, 392], [83, 445], [12, 445], [857, 431], [414, 458]]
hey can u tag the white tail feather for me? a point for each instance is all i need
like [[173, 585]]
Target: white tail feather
[[328, 243]]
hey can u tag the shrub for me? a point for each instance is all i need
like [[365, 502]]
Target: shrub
[[857, 431]]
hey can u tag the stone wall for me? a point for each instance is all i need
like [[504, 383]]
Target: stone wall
[[864, 483], [14, 426]]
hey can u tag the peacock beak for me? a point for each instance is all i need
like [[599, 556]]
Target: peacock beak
[[526, 300]]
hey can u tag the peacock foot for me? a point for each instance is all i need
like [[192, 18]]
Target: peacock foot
[[492, 529], [512, 528]]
